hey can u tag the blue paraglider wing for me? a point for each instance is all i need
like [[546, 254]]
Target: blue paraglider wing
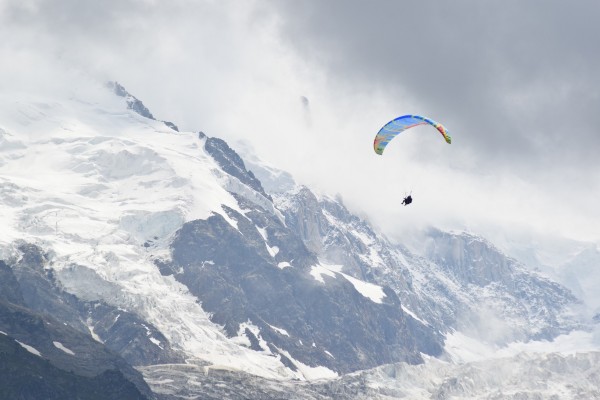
[[400, 124]]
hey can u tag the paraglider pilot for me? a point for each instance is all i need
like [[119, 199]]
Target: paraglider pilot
[[407, 200]]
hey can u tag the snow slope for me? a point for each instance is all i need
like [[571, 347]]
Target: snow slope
[[103, 189]]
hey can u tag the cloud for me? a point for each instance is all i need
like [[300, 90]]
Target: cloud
[[515, 83], [509, 78]]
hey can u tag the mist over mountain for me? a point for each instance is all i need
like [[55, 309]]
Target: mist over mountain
[[172, 266]]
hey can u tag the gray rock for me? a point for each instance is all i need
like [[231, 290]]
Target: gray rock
[[120, 331], [232, 163], [133, 103], [329, 324]]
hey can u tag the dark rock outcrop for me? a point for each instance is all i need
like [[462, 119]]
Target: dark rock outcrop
[[260, 271]]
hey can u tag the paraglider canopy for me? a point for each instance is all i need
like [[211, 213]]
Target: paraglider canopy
[[400, 124]]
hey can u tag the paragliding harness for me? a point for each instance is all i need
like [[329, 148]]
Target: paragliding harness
[[407, 200]]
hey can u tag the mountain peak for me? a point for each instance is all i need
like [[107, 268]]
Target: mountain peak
[[135, 104]]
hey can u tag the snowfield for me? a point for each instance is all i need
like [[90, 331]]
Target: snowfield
[[103, 189]]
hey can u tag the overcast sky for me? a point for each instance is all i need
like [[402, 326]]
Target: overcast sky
[[309, 83]]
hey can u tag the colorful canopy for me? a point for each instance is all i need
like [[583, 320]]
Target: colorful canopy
[[400, 124]]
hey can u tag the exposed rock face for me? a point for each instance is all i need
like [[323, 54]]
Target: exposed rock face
[[135, 104], [308, 220], [64, 347], [464, 282], [232, 163], [27, 376], [34, 310], [470, 259], [9, 286], [121, 331], [501, 288], [259, 272]]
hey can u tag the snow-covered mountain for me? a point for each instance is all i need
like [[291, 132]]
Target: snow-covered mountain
[[215, 275], [463, 282]]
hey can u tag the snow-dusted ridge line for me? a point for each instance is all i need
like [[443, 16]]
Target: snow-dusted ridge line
[[234, 185]]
